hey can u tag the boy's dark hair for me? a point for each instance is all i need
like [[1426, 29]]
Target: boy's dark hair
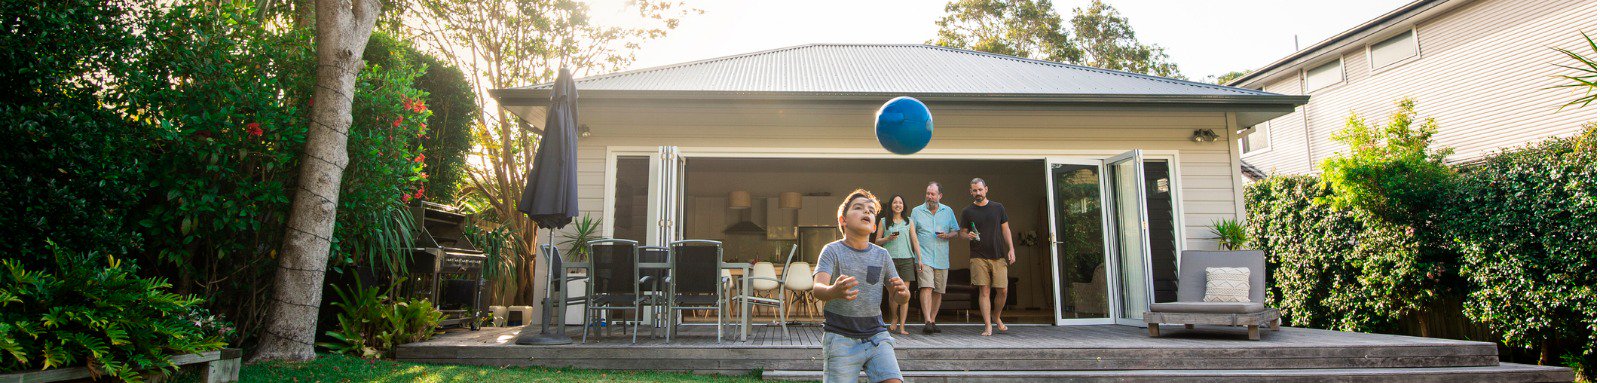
[[859, 193]]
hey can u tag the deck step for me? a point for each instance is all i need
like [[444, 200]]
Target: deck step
[[1503, 373]]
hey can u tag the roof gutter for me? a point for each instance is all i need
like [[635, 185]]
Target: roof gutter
[[539, 97]]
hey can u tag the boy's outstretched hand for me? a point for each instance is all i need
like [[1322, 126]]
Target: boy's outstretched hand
[[902, 293], [845, 287]]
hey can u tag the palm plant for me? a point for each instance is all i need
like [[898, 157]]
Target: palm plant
[[585, 229], [1230, 234], [1584, 80]]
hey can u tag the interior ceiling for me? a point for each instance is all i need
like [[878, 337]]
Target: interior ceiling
[[861, 165]]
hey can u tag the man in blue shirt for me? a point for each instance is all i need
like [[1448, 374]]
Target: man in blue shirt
[[936, 225]]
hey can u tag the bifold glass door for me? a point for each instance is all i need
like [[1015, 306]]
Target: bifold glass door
[[1130, 228], [1078, 241], [1099, 239], [666, 210]]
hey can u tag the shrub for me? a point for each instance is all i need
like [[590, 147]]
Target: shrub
[[1389, 171], [1335, 269], [454, 112], [92, 310], [71, 169], [1523, 222], [371, 325]]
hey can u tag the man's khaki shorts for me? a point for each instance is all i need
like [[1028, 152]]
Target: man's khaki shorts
[[931, 278], [989, 272]]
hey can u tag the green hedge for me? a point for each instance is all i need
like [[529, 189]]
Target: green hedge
[[1524, 225], [1515, 239], [1334, 269]]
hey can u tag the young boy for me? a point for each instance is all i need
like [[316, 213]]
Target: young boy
[[854, 337]]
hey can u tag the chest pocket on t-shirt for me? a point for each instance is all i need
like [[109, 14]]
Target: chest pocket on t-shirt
[[874, 275]]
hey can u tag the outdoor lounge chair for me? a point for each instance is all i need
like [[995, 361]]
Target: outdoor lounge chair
[[614, 281], [1190, 309], [695, 281]]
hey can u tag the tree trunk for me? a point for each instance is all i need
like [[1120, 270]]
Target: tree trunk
[[343, 27]]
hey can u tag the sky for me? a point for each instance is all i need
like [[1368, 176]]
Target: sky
[[1205, 38]]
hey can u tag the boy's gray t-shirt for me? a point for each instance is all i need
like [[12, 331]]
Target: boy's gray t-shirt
[[860, 318]]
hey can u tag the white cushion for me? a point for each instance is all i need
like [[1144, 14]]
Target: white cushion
[[1227, 284]]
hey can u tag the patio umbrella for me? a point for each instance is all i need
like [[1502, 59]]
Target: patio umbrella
[[551, 197]]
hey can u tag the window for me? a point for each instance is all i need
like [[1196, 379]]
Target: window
[[1324, 75], [1257, 139], [1393, 50]]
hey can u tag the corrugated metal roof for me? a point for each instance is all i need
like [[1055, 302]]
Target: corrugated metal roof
[[892, 68]]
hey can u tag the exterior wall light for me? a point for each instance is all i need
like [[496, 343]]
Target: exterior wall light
[[1203, 135], [583, 131]]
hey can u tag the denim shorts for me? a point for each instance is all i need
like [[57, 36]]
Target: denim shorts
[[845, 358]]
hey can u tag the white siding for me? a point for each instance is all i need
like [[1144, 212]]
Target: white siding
[[1207, 175], [1483, 74]]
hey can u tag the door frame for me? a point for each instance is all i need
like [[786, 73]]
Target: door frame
[[684, 153], [1055, 255]]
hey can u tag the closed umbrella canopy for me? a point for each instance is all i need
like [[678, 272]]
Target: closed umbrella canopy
[[551, 196]]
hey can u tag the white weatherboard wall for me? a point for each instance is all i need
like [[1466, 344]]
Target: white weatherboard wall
[[1483, 74], [1208, 172]]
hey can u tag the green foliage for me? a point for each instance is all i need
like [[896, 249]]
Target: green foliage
[[1226, 78], [454, 112], [371, 325], [1584, 80], [1230, 234], [1515, 236], [1096, 36], [1523, 222], [585, 229], [172, 134], [502, 250], [1107, 41], [1335, 269], [1389, 171], [388, 119], [72, 170], [88, 309], [220, 171], [1026, 28]]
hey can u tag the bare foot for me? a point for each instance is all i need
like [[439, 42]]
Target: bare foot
[[1001, 326], [903, 330], [987, 331]]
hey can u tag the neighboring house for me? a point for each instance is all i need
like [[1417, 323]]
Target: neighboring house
[[712, 149], [1482, 69]]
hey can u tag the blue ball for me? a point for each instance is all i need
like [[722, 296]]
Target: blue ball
[[904, 125]]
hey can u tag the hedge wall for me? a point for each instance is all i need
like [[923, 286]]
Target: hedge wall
[[1515, 241]]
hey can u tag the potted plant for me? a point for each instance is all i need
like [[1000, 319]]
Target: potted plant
[[574, 245], [1230, 234]]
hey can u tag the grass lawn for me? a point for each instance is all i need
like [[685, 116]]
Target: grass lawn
[[340, 368]]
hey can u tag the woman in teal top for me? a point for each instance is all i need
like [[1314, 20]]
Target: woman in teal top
[[895, 234]]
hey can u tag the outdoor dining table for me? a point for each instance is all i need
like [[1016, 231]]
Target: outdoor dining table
[[744, 292]]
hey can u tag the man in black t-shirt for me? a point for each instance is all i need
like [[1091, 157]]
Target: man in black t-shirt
[[984, 223]]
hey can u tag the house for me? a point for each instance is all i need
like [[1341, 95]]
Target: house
[[1121, 170], [1482, 69]]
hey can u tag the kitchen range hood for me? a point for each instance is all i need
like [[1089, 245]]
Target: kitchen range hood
[[745, 227]]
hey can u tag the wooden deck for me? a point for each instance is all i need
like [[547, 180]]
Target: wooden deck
[[960, 350]]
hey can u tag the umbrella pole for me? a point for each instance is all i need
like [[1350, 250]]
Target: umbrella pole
[[553, 312]]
